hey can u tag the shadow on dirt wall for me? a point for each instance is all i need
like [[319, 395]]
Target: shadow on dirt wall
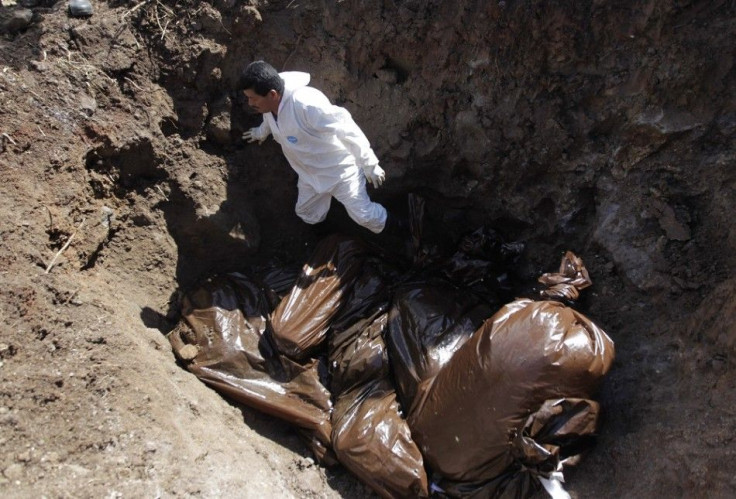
[[207, 243]]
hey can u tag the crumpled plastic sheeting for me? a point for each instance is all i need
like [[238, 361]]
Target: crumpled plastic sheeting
[[528, 352], [356, 350], [566, 284], [492, 406], [227, 322], [442, 303], [302, 319], [553, 436], [429, 321], [481, 255], [340, 290], [370, 437], [374, 442], [560, 427]]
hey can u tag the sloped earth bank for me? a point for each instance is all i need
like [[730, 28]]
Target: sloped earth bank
[[606, 128]]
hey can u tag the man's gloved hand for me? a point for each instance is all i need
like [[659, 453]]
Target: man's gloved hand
[[252, 135], [374, 174]]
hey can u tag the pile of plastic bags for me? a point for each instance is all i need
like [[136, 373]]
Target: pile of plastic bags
[[420, 382]]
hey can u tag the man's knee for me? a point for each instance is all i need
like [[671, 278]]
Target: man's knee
[[310, 217]]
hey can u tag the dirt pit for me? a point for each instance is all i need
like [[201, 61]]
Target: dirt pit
[[605, 128]]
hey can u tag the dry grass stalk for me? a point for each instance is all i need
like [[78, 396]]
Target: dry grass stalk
[[63, 248]]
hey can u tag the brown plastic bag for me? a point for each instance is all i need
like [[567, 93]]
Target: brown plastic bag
[[356, 350], [429, 321], [301, 320], [528, 352], [225, 319], [443, 303], [370, 437], [557, 434], [372, 440]]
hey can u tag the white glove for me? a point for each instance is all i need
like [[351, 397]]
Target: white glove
[[374, 174], [252, 135]]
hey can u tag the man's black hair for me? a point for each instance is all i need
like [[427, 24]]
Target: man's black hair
[[261, 77]]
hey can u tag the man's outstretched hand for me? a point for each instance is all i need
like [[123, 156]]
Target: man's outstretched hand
[[253, 136], [374, 174]]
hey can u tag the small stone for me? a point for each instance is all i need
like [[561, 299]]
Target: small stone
[[88, 104], [39, 66], [188, 352], [13, 472], [18, 21]]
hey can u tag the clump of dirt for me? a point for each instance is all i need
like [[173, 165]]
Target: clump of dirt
[[605, 128]]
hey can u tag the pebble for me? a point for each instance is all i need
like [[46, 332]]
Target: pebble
[[39, 66], [88, 104], [13, 472], [18, 21]]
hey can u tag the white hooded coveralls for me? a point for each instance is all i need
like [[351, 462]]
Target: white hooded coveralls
[[327, 149]]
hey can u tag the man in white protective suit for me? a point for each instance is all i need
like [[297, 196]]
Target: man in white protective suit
[[326, 148]]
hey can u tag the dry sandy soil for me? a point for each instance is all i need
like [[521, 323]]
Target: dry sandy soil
[[602, 127]]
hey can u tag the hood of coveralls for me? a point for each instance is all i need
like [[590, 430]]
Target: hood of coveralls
[[294, 80]]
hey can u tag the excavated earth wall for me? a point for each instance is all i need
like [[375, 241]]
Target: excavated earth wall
[[606, 128]]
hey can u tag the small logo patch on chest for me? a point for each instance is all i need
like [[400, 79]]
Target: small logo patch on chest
[[292, 139]]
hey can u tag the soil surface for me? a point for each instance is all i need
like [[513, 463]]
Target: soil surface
[[606, 128]]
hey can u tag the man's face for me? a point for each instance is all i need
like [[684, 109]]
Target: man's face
[[268, 103]]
